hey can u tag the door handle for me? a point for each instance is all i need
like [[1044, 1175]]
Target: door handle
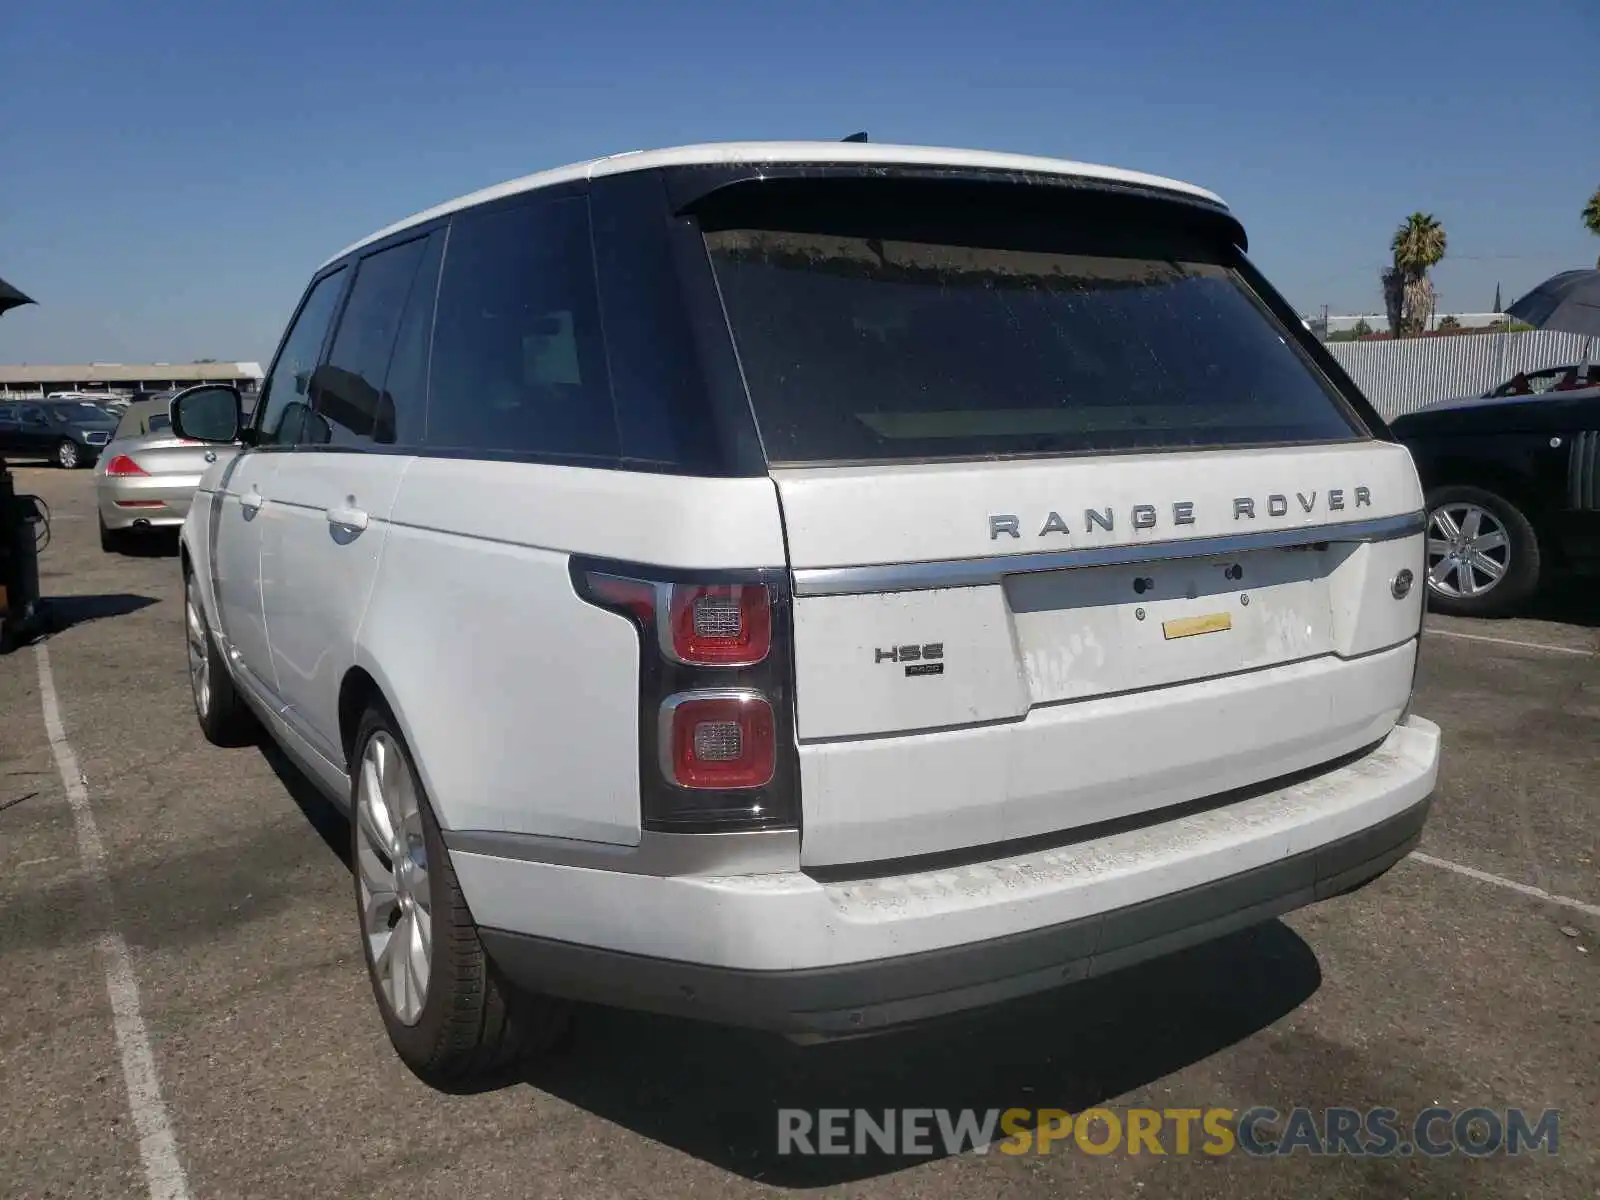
[[250, 501], [348, 517]]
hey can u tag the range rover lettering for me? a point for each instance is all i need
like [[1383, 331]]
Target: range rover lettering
[[768, 583]]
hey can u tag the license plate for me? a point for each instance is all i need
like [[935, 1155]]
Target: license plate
[[1182, 627]]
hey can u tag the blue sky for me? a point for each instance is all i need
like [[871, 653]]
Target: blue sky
[[175, 170]]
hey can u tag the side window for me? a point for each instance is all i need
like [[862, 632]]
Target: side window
[[348, 392], [518, 361], [405, 390], [284, 397]]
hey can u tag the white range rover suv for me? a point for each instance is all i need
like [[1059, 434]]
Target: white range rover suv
[[810, 586]]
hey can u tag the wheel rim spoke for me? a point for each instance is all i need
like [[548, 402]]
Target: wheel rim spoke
[[1468, 549], [393, 874], [1487, 565]]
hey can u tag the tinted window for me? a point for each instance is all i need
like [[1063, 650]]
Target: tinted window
[[350, 385], [75, 412], [963, 338], [518, 365], [674, 379], [405, 389], [285, 401]]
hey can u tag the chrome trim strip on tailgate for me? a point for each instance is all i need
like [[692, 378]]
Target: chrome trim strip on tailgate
[[977, 572]]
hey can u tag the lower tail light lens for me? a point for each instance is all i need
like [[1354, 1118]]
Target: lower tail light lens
[[718, 740], [720, 625], [123, 465]]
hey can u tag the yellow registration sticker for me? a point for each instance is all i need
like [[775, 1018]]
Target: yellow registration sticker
[[1181, 627]]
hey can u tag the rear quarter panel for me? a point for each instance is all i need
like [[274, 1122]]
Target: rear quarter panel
[[520, 700]]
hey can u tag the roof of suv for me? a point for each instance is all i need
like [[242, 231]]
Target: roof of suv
[[718, 153]]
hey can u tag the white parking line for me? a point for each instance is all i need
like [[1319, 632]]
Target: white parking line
[[1592, 910], [1499, 641], [157, 1148]]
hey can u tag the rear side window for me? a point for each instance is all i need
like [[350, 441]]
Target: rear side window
[[518, 361], [349, 394], [951, 340]]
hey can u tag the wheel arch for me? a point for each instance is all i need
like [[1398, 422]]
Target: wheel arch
[[364, 684]]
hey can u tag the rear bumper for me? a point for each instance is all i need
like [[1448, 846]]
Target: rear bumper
[[791, 953], [155, 501]]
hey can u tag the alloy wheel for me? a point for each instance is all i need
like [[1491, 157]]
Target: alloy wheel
[[67, 454], [199, 652], [392, 866], [1469, 550]]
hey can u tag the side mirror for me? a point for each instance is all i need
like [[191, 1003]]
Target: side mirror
[[209, 413]]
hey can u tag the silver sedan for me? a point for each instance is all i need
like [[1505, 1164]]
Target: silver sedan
[[146, 477]]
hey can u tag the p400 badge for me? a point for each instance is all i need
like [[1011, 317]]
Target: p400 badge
[[924, 659]]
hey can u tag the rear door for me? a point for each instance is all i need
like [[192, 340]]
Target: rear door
[[1049, 480], [330, 500]]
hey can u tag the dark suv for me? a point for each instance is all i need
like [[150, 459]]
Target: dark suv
[[70, 433]]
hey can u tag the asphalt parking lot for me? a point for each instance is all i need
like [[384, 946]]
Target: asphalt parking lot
[[217, 929]]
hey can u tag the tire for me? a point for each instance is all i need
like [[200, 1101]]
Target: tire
[[225, 718], [1461, 568], [469, 1024], [113, 541], [67, 456]]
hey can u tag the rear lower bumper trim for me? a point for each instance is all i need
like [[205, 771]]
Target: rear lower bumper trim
[[865, 996]]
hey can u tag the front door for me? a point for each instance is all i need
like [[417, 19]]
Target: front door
[[240, 513], [235, 566], [35, 437]]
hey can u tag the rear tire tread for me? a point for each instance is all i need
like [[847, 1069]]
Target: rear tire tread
[[487, 1026]]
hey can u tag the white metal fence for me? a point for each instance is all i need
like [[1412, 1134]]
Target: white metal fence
[[1402, 376]]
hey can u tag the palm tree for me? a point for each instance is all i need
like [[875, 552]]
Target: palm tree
[[1418, 245], [1591, 215]]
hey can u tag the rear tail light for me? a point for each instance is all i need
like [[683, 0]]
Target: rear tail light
[[123, 465], [716, 725], [720, 625], [717, 739]]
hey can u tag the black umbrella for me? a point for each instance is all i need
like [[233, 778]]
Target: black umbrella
[[11, 298], [1566, 303]]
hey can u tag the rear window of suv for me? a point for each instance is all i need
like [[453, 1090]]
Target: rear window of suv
[[959, 334]]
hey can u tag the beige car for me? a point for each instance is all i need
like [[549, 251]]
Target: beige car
[[146, 477]]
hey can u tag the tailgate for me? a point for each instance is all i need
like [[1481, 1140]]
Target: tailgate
[[174, 456], [924, 618], [1007, 659], [1078, 527]]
